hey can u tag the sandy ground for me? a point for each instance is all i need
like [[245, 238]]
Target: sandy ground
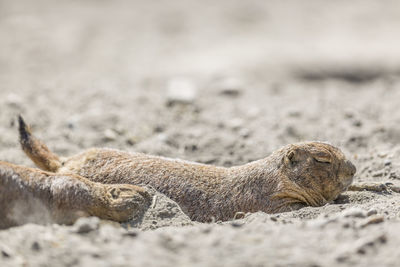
[[223, 83]]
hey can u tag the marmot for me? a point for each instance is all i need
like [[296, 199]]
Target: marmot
[[34, 196], [297, 175]]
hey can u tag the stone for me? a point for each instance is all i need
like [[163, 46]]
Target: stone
[[110, 135], [354, 213], [86, 224], [182, 91], [230, 86]]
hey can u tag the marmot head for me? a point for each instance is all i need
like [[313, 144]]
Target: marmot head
[[317, 172], [122, 202]]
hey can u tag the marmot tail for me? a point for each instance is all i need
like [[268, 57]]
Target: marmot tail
[[36, 150]]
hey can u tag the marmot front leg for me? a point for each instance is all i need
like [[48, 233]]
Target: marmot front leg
[[31, 195], [375, 187]]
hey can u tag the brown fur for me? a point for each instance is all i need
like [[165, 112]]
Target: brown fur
[[36, 150], [298, 175]]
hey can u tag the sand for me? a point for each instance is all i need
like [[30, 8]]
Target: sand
[[221, 83]]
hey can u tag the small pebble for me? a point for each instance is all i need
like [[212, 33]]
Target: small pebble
[[372, 212], [235, 123], [368, 242], [321, 222], [253, 112], [348, 114], [346, 225], [70, 125], [5, 253], [244, 132], [357, 123], [158, 128], [162, 137], [108, 231], [13, 100], [181, 90], [86, 224], [35, 246], [294, 113], [374, 219], [206, 229], [382, 154], [237, 224], [72, 122], [354, 212], [273, 218], [132, 140], [342, 258], [131, 233], [110, 135], [379, 173], [230, 87]]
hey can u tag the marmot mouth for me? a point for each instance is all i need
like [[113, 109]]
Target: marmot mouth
[[346, 183]]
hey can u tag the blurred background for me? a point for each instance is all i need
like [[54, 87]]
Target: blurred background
[[143, 38], [221, 82]]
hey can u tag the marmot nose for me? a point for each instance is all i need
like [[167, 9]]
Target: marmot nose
[[351, 168]]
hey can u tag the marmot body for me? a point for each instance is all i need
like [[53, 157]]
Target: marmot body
[[297, 175]]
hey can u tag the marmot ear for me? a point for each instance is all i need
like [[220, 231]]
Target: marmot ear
[[291, 157]]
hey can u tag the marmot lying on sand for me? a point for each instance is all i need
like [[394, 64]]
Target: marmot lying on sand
[[105, 182]]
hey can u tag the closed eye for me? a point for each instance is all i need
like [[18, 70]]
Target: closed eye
[[323, 160]]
